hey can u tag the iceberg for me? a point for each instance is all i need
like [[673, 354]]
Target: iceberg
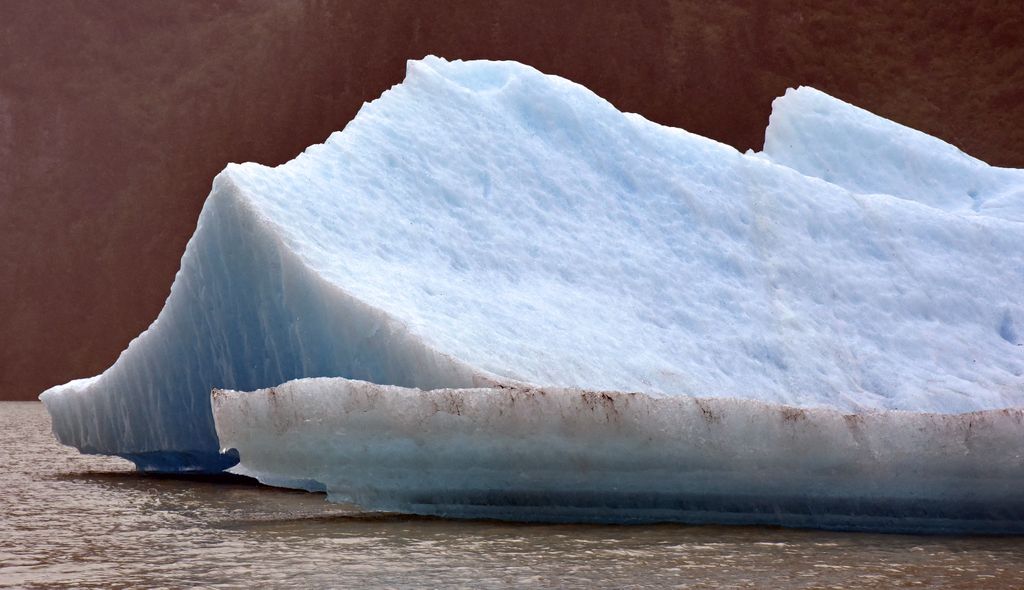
[[825, 137], [483, 228]]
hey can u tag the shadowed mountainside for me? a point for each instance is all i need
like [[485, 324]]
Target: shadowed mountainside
[[116, 115]]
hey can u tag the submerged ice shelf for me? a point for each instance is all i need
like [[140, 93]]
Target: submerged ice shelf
[[482, 225], [566, 455]]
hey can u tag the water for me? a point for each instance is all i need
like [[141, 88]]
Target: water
[[70, 520]]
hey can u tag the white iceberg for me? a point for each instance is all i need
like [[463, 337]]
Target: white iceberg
[[482, 225], [825, 137]]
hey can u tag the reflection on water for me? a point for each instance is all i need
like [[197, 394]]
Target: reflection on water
[[69, 520]]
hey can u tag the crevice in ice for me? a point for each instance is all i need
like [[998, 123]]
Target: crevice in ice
[[1007, 329]]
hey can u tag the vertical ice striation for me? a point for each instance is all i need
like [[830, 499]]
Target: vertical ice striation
[[243, 311]]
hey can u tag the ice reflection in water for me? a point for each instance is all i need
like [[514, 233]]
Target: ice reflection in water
[[68, 520]]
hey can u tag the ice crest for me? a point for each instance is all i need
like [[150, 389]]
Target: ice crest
[[825, 137]]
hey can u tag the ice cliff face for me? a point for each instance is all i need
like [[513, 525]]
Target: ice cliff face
[[483, 224]]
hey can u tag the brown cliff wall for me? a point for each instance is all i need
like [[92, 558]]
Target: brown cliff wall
[[115, 115]]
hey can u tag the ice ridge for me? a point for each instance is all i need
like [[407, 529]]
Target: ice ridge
[[822, 136]]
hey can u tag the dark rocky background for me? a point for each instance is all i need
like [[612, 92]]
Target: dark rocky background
[[116, 114]]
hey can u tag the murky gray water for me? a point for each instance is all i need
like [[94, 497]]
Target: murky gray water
[[69, 520]]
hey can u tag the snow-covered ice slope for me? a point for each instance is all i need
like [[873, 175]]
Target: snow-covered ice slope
[[825, 137], [484, 223], [549, 454]]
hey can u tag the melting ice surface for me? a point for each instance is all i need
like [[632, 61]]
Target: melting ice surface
[[483, 227]]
